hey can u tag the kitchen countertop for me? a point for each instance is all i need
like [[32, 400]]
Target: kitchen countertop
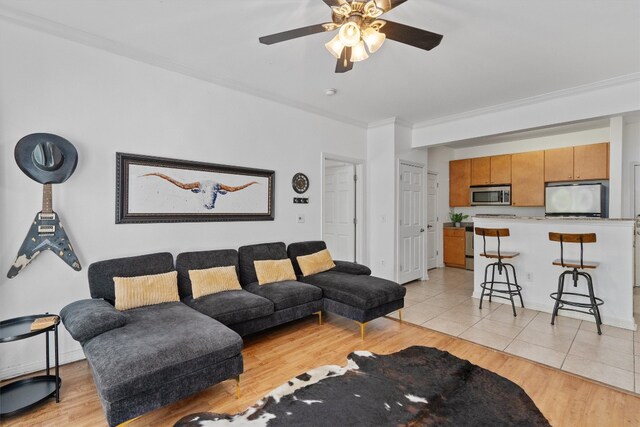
[[551, 218]]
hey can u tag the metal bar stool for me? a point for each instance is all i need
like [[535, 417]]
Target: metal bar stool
[[593, 302], [512, 288]]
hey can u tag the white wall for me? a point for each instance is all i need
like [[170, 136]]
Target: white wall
[[380, 199], [615, 97], [103, 103]]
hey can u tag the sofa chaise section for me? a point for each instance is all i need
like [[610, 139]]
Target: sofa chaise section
[[349, 290], [152, 355]]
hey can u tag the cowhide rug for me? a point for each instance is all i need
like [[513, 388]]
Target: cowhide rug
[[414, 387]]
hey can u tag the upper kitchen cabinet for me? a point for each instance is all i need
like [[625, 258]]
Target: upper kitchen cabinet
[[491, 170], [581, 162], [459, 181], [481, 171], [591, 161], [558, 164], [501, 169], [527, 179]]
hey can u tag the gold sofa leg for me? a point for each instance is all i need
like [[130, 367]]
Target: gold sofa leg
[[319, 313], [400, 315], [238, 387], [362, 328]]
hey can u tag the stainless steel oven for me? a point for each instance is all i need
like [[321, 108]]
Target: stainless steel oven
[[498, 195]]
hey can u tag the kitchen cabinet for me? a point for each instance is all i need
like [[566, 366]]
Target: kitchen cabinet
[[582, 162], [492, 170], [527, 179], [481, 171], [459, 182], [591, 161], [501, 169], [558, 164], [454, 247]]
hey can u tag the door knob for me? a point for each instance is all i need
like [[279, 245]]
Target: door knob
[[429, 226], [422, 230]]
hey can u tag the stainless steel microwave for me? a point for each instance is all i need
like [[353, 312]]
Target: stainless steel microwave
[[498, 195]]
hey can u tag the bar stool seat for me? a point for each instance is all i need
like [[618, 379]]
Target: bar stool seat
[[506, 289], [575, 263], [564, 300], [495, 255]]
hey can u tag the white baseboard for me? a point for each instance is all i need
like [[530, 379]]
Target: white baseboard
[[27, 368]]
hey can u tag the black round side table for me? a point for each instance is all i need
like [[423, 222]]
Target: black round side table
[[23, 394]]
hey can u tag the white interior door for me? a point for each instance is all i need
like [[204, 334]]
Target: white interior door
[[339, 230], [432, 220], [411, 224]]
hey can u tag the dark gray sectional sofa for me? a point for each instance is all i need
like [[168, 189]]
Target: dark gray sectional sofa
[[147, 357]]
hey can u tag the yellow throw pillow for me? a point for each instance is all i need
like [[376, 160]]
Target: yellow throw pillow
[[274, 270], [133, 292], [213, 280], [315, 263]]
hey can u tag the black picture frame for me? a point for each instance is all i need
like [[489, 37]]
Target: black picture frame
[[263, 185]]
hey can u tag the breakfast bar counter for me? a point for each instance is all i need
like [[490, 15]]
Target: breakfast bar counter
[[614, 251]]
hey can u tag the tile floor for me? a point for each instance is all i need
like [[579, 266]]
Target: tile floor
[[444, 303]]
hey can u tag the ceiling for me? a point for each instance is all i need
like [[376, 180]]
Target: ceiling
[[493, 51]]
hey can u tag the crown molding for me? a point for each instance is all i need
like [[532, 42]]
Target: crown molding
[[602, 84], [391, 121], [56, 29]]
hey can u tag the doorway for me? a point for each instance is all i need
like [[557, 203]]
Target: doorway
[[411, 223], [342, 208]]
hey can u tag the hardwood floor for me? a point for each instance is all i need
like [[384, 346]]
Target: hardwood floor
[[274, 356]]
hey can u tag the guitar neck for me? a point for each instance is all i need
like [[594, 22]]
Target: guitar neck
[[47, 199]]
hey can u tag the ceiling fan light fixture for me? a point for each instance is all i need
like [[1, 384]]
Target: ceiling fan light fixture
[[359, 53], [373, 39], [335, 46], [349, 34]]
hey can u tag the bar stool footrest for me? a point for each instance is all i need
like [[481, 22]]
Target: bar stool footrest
[[515, 291], [598, 301]]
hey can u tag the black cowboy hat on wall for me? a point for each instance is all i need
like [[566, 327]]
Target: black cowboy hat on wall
[[46, 158]]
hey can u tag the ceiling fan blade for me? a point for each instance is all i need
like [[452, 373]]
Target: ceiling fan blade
[[412, 36], [344, 64], [336, 3], [294, 34], [387, 5]]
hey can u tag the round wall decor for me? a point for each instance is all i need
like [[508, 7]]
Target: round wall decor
[[300, 183]]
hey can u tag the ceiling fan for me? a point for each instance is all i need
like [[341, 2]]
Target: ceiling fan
[[359, 26]]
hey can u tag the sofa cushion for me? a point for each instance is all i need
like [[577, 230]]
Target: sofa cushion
[[315, 263], [359, 291], [294, 250], [88, 318], [286, 294], [264, 251], [213, 280], [139, 291], [232, 307], [101, 273], [158, 344], [274, 270], [199, 260]]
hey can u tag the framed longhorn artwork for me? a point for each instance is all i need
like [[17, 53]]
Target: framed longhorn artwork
[[156, 189]]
